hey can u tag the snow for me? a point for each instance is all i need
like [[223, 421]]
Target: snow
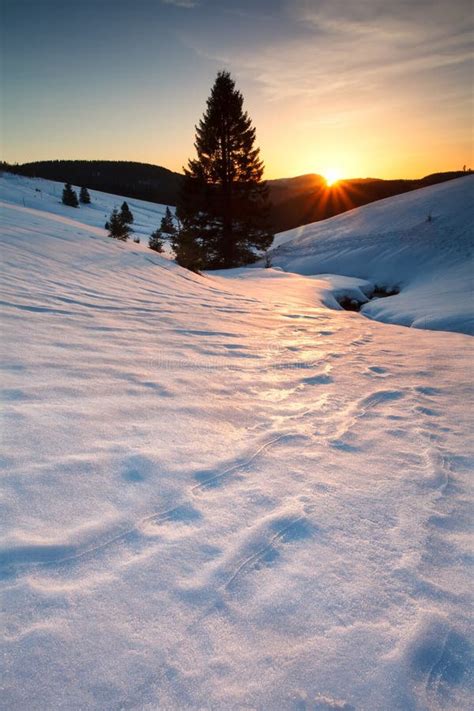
[[420, 242], [217, 492], [45, 195]]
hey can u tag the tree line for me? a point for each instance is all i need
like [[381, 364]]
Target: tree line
[[128, 178]]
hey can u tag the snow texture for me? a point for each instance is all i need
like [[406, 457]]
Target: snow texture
[[218, 493]]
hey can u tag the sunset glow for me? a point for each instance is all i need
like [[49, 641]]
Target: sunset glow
[[331, 176], [323, 82]]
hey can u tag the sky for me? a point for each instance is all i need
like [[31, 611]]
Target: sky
[[361, 88]]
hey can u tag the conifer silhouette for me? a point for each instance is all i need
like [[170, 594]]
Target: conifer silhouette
[[223, 208], [69, 196]]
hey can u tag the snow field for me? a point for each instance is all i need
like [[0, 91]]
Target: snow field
[[218, 493]]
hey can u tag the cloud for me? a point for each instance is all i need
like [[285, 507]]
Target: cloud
[[338, 50], [181, 3]]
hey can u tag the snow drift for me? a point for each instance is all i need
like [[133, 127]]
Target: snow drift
[[420, 242]]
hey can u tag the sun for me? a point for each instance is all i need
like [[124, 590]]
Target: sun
[[331, 176]]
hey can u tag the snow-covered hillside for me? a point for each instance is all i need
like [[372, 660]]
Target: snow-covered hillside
[[45, 195], [217, 493], [420, 242]]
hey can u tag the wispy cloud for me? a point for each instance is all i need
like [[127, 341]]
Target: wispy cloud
[[181, 3], [335, 48]]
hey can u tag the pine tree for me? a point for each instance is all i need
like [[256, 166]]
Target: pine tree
[[223, 207], [84, 196], [125, 214], [189, 251], [167, 226], [69, 196], [156, 242], [117, 228]]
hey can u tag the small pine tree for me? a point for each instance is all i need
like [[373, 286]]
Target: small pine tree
[[107, 226], [117, 228], [126, 214], [167, 226], [84, 196], [156, 242], [69, 196]]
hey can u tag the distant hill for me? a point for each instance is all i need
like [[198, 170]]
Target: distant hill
[[306, 198], [295, 201], [130, 179]]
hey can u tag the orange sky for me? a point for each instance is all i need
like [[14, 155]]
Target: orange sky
[[368, 88]]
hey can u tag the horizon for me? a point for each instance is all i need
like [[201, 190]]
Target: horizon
[[359, 91], [282, 177]]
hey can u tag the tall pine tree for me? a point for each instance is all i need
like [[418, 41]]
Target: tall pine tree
[[223, 207]]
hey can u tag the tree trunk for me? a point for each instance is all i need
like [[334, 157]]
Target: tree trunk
[[227, 232]]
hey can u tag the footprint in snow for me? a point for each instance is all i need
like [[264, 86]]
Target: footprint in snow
[[264, 553], [377, 371]]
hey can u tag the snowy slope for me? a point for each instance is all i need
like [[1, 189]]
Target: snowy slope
[[217, 493], [392, 243], [45, 195]]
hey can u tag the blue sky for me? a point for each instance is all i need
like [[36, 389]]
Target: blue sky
[[366, 87]]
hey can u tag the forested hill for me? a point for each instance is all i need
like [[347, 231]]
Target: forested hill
[[295, 201], [306, 199], [130, 179]]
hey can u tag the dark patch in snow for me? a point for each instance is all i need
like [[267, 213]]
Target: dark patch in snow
[[442, 658], [348, 303], [321, 379]]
